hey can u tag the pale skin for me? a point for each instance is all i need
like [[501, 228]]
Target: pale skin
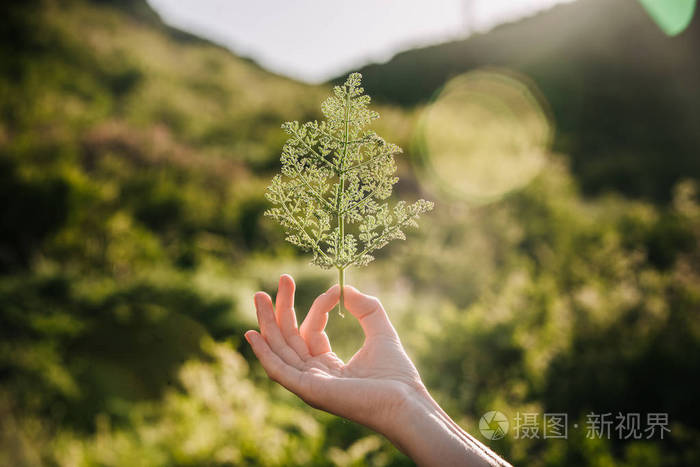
[[379, 387]]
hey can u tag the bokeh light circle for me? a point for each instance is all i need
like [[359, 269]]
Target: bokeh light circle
[[487, 133]]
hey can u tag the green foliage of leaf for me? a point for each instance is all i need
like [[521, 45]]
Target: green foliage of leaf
[[337, 172]]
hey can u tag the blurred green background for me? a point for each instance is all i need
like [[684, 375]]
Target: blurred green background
[[559, 272]]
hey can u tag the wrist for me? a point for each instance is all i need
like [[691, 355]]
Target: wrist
[[425, 433], [415, 413]]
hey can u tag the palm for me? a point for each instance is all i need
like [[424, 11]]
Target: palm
[[367, 389]]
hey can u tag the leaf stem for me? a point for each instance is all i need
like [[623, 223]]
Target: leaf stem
[[341, 282], [341, 215]]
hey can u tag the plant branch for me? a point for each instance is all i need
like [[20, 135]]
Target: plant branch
[[363, 201], [313, 152], [303, 230], [316, 194], [388, 230], [372, 245], [369, 161], [328, 135]]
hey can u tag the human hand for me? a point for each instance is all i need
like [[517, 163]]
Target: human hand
[[379, 387], [371, 389]]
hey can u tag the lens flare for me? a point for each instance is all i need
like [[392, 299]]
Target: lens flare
[[487, 133], [672, 16]]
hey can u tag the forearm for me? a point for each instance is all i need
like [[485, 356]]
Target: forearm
[[430, 437]]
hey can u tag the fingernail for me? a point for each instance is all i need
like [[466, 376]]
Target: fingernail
[[247, 336]]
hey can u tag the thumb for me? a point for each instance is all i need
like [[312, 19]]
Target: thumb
[[369, 312]]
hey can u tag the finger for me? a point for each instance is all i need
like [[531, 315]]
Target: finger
[[271, 332], [274, 366], [286, 318], [330, 361], [369, 312], [312, 329], [284, 304]]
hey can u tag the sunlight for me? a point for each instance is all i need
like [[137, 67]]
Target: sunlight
[[486, 134]]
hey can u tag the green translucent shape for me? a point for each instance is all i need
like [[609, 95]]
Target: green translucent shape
[[672, 16]]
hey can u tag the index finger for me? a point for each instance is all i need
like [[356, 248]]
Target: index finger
[[312, 329], [286, 318]]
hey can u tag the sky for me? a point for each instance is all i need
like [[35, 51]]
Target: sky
[[314, 40]]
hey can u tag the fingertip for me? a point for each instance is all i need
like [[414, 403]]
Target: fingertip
[[287, 278], [352, 293], [285, 291], [260, 297], [286, 282], [359, 304], [249, 336]]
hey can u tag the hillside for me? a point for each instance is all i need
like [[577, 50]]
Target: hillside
[[134, 158], [624, 96], [133, 166]]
